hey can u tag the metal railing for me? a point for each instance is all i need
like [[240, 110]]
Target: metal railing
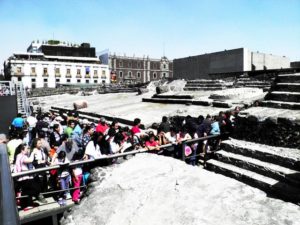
[[8, 208]]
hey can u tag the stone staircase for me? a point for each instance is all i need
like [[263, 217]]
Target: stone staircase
[[253, 83], [285, 93], [272, 169], [207, 85], [22, 101]]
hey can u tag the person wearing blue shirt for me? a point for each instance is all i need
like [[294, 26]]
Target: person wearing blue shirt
[[18, 122]]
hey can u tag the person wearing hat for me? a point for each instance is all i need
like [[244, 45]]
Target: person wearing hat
[[102, 126]]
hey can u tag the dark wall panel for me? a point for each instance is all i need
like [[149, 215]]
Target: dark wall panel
[[8, 112]]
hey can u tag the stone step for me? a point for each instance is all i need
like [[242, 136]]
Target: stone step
[[264, 168], [269, 185], [203, 88], [177, 101], [173, 96], [288, 78], [281, 104], [286, 157], [204, 85], [288, 87], [283, 96]]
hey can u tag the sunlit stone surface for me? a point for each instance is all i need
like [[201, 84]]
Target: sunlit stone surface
[[151, 189]]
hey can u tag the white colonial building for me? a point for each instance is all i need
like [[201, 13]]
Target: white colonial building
[[53, 62]]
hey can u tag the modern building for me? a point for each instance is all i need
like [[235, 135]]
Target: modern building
[[227, 61], [134, 70], [52, 62]]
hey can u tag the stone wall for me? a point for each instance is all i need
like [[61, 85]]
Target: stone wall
[[276, 132]]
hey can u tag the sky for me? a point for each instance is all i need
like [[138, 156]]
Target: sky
[[174, 28]]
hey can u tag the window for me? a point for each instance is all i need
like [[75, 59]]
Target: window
[[121, 74], [129, 74], [46, 80], [95, 81], [129, 64], [87, 81], [87, 70], [78, 72], [154, 75], [57, 71], [68, 80], [33, 80], [57, 80], [164, 74], [78, 81], [138, 75], [165, 66], [103, 72], [68, 71], [138, 65], [95, 72], [33, 70], [19, 78], [120, 64], [45, 71], [19, 70]]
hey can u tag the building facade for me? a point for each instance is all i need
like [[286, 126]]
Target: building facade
[[228, 61], [53, 62], [134, 70]]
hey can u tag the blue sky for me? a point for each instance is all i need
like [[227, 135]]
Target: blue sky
[[144, 27]]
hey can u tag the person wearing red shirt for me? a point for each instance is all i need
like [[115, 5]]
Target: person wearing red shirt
[[102, 126], [136, 126], [152, 144]]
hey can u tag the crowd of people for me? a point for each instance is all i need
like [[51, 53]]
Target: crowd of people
[[47, 139]]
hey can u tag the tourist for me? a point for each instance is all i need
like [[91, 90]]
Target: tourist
[[136, 126], [27, 183], [40, 160], [117, 144], [15, 141], [151, 144], [76, 179], [71, 125], [18, 123], [64, 177], [55, 139], [31, 123], [68, 146], [92, 149], [87, 135], [102, 126], [165, 125], [114, 128]]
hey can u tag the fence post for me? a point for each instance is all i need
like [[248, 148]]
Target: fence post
[[8, 208], [183, 151]]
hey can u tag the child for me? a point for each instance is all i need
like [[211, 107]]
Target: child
[[77, 177], [64, 177]]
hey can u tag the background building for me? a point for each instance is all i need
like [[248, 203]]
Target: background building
[[228, 61], [134, 70], [52, 62]]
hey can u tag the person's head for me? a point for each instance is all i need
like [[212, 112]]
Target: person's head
[[160, 132], [200, 119], [70, 114], [173, 130], [137, 122], [61, 155], [208, 117], [77, 156], [164, 119], [71, 124], [76, 116], [115, 124], [22, 148], [151, 137], [118, 138], [69, 143], [89, 130], [154, 126], [37, 143], [41, 134], [102, 121], [56, 128], [19, 115]]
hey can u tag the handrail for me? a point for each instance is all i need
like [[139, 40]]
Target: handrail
[[8, 208]]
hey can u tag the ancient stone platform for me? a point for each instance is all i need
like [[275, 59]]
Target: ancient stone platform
[[272, 169]]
